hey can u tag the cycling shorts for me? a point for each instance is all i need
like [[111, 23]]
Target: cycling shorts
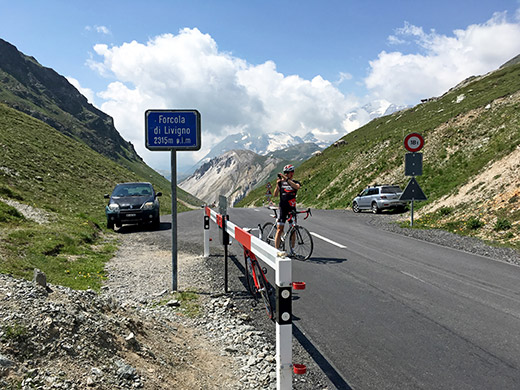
[[283, 212]]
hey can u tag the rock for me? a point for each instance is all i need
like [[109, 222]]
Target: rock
[[125, 371], [173, 303], [5, 366], [132, 343], [40, 278], [162, 293], [5, 362]]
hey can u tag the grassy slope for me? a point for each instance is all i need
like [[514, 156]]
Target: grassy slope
[[47, 170], [460, 140]]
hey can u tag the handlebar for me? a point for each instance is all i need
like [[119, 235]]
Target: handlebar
[[308, 212]]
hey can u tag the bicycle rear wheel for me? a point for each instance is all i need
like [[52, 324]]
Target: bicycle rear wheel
[[263, 288], [298, 243], [268, 232]]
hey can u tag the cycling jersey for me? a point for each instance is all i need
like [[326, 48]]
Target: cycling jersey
[[287, 200]]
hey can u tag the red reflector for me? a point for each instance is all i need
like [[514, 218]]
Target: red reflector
[[299, 369]]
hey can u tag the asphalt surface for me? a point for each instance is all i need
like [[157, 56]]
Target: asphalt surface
[[385, 311]]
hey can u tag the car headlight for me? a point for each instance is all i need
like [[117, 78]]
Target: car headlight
[[148, 206], [113, 206]]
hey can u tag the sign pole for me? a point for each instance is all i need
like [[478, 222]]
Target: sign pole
[[411, 215], [174, 218], [173, 130]]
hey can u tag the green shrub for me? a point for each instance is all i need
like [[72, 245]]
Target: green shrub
[[15, 332], [9, 214], [9, 192], [453, 225], [502, 224], [474, 223], [443, 211]]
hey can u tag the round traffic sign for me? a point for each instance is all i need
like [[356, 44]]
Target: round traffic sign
[[413, 142]]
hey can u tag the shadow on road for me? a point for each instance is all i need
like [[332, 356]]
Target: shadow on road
[[326, 260], [128, 229], [331, 373]]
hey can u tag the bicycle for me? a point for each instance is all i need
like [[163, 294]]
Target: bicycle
[[257, 283], [296, 241]]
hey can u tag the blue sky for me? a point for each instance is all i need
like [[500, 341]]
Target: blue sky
[[260, 66]]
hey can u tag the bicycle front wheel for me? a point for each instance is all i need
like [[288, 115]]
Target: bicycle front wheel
[[249, 276], [298, 243], [263, 288], [268, 232]]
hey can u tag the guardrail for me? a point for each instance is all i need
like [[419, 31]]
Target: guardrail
[[282, 267]]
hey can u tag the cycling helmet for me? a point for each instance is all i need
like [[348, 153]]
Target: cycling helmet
[[288, 168]]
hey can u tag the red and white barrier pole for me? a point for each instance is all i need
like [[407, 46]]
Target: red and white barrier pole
[[282, 267]]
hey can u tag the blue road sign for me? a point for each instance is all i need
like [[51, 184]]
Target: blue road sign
[[413, 164], [172, 129]]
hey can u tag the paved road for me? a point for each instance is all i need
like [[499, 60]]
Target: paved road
[[392, 312]]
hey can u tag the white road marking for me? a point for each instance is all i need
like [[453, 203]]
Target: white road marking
[[412, 276], [326, 239]]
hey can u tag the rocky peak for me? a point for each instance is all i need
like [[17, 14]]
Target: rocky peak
[[43, 94], [233, 174]]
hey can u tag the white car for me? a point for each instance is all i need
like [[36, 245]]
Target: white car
[[379, 198]]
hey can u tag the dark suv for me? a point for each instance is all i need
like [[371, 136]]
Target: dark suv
[[133, 203]]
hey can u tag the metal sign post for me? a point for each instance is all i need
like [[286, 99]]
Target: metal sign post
[[224, 236], [173, 130], [413, 164]]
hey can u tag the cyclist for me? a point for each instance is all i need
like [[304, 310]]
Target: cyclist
[[286, 187]]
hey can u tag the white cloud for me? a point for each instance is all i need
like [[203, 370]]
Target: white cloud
[[442, 61], [87, 92], [188, 71], [103, 30], [343, 76], [99, 29]]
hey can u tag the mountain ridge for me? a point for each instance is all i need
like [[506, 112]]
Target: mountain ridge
[[232, 174], [264, 167], [42, 93]]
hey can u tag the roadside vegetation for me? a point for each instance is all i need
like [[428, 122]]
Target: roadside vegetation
[[466, 130], [64, 181]]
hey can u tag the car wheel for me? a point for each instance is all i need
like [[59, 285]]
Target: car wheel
[[355, 207], [375, 209], [110, 225]]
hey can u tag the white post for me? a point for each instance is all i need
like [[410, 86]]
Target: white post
[[206, 236], [283, 357], [284, 324], [206, 243]]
